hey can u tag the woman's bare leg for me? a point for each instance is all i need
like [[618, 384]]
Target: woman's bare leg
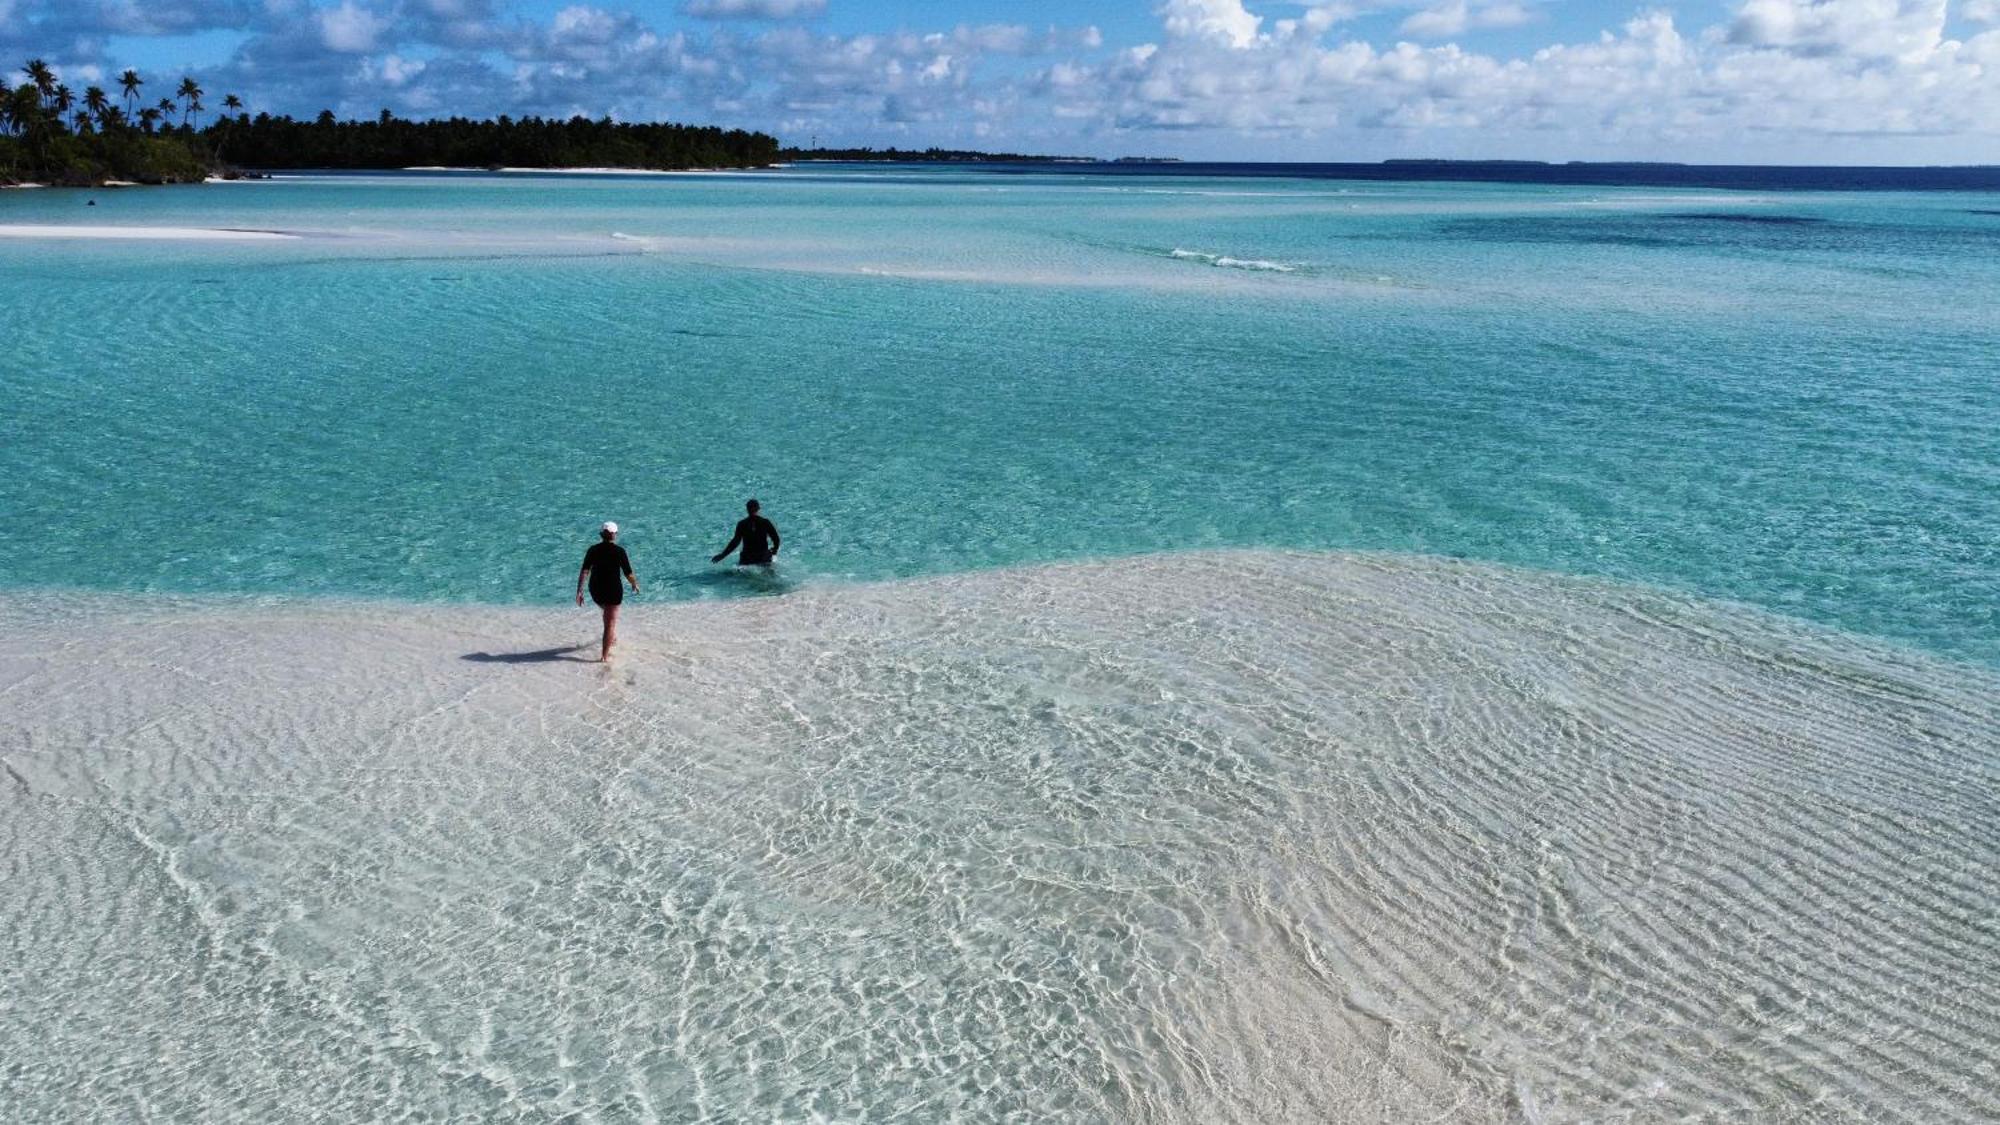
[[610, 631]]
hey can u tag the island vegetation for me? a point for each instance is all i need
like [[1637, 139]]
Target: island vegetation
[[456, 142], [50, 134]]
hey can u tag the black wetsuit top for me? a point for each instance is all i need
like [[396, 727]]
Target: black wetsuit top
[[759, 537], [607, 561]]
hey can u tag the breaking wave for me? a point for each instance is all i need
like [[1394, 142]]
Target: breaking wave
[[1226, 262]]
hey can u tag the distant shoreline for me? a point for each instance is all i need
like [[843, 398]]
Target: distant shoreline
[[263, 174], [1727, 177], [1609, 174], [604, 171]]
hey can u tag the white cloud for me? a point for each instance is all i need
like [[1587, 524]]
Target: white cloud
[[583, 24], [394, 70], [1456, 17], [1645, 89], [1017, 39], [349, 29], [1887, 29], [752, 9], [1981, 11], [1221, 21]]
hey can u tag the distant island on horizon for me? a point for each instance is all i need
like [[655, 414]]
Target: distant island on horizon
[[1576, 173], [932, 155]]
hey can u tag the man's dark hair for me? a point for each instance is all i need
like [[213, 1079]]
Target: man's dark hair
[[752, 505]]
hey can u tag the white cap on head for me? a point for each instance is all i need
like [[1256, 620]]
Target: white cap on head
[[610, 527]]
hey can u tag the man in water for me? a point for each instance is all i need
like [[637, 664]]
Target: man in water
[[602, 565], [756, 535]]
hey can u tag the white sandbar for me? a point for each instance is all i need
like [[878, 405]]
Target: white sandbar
[[1215, 837], [171, 234]]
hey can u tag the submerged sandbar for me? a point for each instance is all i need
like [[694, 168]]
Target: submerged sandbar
[[168, 234], [1200, 837]]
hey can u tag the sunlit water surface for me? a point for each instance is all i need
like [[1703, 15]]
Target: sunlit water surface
[[448, 381]]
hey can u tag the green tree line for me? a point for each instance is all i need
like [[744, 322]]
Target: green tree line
[[51, 134], [456, 142], [48, 133]]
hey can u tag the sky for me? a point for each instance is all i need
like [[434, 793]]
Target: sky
[[1721, 81]]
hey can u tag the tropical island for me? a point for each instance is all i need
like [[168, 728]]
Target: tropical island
[[49, 134]]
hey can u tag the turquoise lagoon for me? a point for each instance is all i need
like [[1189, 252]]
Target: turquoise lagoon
[[444, 382], [1250, 650]]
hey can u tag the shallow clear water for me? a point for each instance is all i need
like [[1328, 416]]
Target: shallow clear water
[[1788, 400], [1198, 838]]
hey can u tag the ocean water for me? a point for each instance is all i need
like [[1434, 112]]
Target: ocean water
[[1246, 648], [446, 382]]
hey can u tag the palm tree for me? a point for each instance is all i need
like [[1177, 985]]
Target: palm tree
[[25, 110], [148, 117], [195, 107], [229, 101], [44, 79], [82, 123], [14, 114], [95, 101], [112, 119], [62, 100], [190, 91], [131, 81]]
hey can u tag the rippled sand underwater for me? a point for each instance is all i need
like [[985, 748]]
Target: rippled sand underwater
[[1240, 836]]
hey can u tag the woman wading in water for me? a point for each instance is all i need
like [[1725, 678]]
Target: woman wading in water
[[603, 564]]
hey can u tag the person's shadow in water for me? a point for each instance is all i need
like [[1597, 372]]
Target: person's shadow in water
[[539, 656]]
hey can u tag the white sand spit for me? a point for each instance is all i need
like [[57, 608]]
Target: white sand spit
[[159, 234]]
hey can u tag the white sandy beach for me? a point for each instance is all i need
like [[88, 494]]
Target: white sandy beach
[[1235, 836]]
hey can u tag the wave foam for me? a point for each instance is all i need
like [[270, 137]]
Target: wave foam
[[1226, 262], [1244, 836]]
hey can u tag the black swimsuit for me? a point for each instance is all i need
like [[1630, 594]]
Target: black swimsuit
[[756, 534], [607, 561]]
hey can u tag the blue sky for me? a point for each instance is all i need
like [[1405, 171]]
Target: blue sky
[[1812, 81]]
